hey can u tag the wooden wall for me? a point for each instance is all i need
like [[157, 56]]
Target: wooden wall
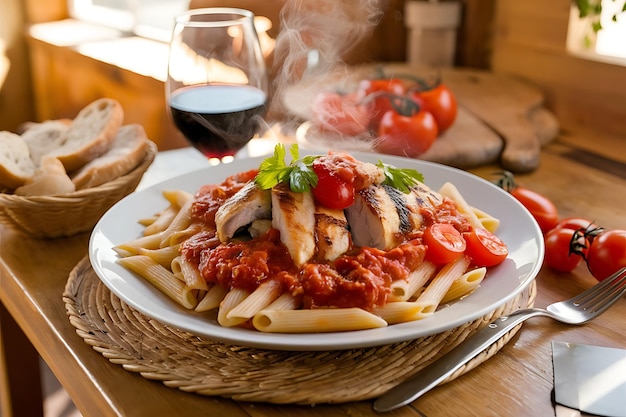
[[15, 90], [529, 42]]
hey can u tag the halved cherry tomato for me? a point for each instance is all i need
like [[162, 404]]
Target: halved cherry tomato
[[607, 253], [445, 243], [484, 247], [376, 95], [332, 191], [541, 208], [564, 248], [342, 114], [440, 102], [406, 135]]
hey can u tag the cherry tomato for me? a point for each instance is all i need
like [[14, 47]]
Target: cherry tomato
[[332, 191], [440, 102], [575, 223], [607, 253], [541, 208], [342, 114], [406, 135], [562, 252], [445, 243], [484, 247], [375, 94]]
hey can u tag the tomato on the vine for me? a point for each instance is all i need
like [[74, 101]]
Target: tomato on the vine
[[575, 223], [445, 243], [440, 102], [541, 208], [333, 112], [565, 248], [607, 253], [484, 247], [332, 191], [377, 96], [406, 135]]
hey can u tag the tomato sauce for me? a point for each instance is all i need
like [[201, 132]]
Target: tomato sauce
[[360, 278]]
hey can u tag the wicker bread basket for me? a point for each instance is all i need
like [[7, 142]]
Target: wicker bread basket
[[70, 214]]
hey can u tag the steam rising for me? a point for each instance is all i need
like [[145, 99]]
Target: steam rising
[[316, 35]]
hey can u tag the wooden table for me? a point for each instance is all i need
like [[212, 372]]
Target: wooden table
[[515, 382]]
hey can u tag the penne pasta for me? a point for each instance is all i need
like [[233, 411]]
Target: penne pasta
[[286, 301], [163, 256], [230, 301], [430, 299], [466, 284], [163, 221], [179, 236], [161, 278], [400, 312], [134, 246], [177, 198], [449, 190], [260, 298], [316, 320], [212, 298], [488, 221], [180, 222], [191, 274], [404, 290]]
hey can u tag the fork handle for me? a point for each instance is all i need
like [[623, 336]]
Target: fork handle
[[433, 374]]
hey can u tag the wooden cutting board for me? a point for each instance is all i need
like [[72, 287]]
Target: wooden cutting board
[[500, 118]]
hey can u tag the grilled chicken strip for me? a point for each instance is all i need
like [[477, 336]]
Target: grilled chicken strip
[[248, 204], [410, 205], [373, 218], [331, 233], [293, 215]]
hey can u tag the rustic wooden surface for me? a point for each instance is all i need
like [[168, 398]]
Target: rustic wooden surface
[[583, 173]]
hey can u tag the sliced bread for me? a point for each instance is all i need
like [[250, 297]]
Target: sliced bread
[[126, 152], [90, 134], [16, 166], [49, 179], [45, 137]]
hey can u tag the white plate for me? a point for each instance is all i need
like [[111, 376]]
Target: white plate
[[518, 229]]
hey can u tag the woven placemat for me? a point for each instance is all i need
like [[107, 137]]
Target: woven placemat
[[194, 364]]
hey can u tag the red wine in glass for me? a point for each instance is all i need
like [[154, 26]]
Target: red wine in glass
[[218, 119]]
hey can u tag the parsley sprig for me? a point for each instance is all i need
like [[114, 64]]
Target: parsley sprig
[[301, 178], [400, 178], [298, 174]]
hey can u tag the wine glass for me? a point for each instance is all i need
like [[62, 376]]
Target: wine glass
[[217, 83]]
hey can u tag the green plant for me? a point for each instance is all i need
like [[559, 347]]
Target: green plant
[[592, 9]]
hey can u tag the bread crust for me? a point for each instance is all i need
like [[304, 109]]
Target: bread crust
[[90, 134], [126, 152], [16, 166]]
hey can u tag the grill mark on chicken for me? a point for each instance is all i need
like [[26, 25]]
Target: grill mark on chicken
[[332, 236], [373, 219], [401, 203], [425, 196], [246, 205], [293, 215]]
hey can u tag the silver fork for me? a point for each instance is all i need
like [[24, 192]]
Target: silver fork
[[577, 310]]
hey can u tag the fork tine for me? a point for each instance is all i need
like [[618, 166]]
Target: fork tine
[[604, 294]]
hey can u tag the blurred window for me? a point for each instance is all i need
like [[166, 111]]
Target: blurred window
[[607, 44], [148, 18]]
